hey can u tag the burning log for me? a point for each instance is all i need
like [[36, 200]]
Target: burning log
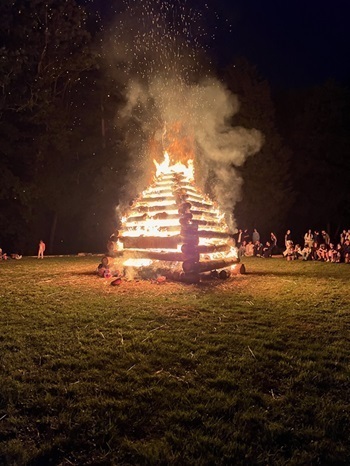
[[189, 229], [154, 208], [214, 234], [186, 218], [151, 242], [237, 269], [185, 208], [205, 266], [190, 239], [190, 249], [153, 255], [213, 248]]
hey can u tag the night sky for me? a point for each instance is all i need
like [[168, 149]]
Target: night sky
[[294, 44]]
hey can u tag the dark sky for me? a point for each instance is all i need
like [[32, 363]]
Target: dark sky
[[293, 44]]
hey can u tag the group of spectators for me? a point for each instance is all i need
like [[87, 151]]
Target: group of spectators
[[250, 245], [4, 256], [316, 245]]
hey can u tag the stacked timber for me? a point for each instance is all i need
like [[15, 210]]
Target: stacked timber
[[173, 225]]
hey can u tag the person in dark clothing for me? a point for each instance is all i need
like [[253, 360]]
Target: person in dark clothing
[[258, 249], [239, 238], [273, 243], [318, 238], [267, 250], [246, 236], [346, 251]]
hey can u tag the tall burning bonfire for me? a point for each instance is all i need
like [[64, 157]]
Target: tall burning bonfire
[[174, 230]]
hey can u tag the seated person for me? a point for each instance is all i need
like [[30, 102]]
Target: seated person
[[258, 249], [322, 253], [297, 251], [346, 251], [103, 269], [249, 249], [339, 250], [306, 252], [267, 250], [16, 256], [288, 253], [242, 249]]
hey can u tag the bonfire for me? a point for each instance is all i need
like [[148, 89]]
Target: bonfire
[[175, 231]]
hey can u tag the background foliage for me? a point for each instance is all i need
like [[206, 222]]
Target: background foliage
[[63, 161]]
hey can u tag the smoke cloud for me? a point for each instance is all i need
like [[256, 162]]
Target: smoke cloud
[[167, 82]]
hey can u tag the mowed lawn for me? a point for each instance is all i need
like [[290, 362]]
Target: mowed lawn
[[254, 370]]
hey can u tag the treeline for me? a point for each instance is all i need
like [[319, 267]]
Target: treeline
[[63, 160]]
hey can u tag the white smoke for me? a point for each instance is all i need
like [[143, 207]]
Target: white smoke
[[206, 110], [162, 87]]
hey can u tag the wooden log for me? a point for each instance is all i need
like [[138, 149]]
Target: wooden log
[[184, 221], [159, 198], [148, 208], [189, 229], [189, 249], [208, 249], [171, 228], [168, 256], [191, 257], [199, 267], [201, 205], [189, 239], [190, 266], [199, 213], [184, 208], [214, 234], [224, 274], [206, 223], [238, 269], [151, 242]]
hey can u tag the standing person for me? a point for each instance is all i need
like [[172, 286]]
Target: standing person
[[326, 238], [41, 250], [318, 238], [246, 236], [287, 237], [343, 235], [255, 236], [309, 238], [273, 243], [239, 239]]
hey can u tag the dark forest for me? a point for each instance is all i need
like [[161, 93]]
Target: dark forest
[[64, 158]]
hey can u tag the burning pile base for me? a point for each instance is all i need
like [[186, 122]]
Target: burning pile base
[[168, 270]]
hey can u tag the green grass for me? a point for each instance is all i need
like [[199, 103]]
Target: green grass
[[250, 371]]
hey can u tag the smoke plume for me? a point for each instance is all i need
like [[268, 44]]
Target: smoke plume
[[168, 85]]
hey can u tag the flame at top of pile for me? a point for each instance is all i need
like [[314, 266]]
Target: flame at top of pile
[[165, 168]]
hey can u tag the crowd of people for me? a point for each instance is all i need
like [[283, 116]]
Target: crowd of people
[[41, 249], [316, 245], [4, 256]]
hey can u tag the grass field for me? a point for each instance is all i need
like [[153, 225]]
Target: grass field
[[254, 370]]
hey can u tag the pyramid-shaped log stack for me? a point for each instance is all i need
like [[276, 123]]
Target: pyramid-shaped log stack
[[174, 230]]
